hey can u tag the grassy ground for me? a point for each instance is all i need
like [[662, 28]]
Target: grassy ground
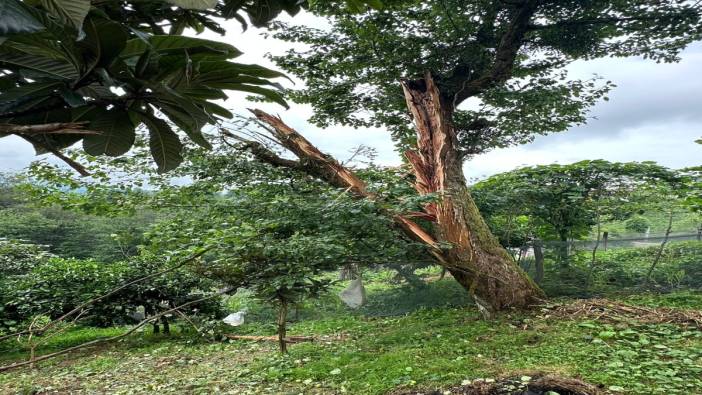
[[403, 338]]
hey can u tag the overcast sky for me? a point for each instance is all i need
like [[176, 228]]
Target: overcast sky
[[654, 113]]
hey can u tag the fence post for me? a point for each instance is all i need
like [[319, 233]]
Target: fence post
[[605, 236]]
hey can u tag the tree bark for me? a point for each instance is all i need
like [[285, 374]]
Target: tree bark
[[475, 257]]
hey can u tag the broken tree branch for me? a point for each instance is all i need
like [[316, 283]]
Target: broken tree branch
[[313, 162]]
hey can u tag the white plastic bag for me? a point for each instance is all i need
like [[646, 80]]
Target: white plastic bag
[[234, 319], [354, 295]]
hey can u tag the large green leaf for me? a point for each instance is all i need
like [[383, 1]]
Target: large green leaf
[[210, 69], [55, 68], [117, 133], [175, 44], [105, 40], [187, 123], [14, 19], [194, 4], [164, 144], [269, 94], [34, 44], [70, 11], [29, 90], [184, 112]]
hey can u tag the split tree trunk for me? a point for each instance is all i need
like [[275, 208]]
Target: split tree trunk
[[475, 258]]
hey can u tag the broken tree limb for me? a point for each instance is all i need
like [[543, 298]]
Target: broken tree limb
[[315, 163], [475, 259], [486, 269]]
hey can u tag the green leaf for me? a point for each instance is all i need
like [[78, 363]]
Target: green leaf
[[269, 94], [185, 113], [164, 144], [216, 109], [209, 70], [175, 44], [14, 19], [40, 63], [194, 4], [71, 11], [29, 90], [117, 135]]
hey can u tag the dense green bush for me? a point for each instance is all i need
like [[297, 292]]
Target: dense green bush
[[637, 224], [58, 285], [17, 259]]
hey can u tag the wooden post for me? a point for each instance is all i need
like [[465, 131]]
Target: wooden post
[[605, 237]]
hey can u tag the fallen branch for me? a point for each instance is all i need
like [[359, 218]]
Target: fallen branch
[[113, 338], [611, 311], [289, 339]]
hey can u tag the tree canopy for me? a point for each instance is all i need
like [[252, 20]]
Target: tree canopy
[[509, 56], [565, 201]]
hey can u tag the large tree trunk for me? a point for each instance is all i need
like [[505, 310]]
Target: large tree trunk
[[475, 259]]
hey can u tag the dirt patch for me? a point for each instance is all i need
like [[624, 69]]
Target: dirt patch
[[538, 384], [605, 310]]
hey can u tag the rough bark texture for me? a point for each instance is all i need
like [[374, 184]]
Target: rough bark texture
[[476, 259]]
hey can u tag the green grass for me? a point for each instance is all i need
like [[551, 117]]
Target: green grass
[[388, 344]]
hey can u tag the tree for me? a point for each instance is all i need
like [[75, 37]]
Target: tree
[[564, 202], [507, 58], [276, 231], [96, 71]]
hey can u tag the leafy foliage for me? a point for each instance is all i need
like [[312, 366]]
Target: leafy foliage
[[564, 201], [17, 259], [113, 68], [59, 285], [507, 57]]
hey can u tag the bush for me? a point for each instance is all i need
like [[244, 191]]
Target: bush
[[58, 285], [17, 258], [637, 224], [625, 269]]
